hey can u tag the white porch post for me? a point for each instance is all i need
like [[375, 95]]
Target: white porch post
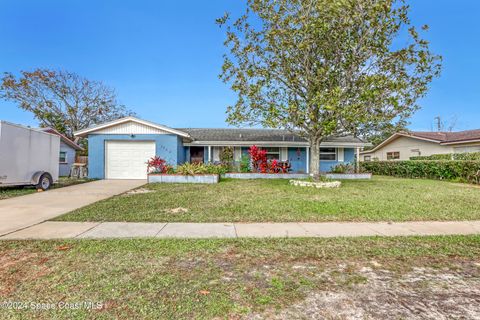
[[358, 159], [209, 154], [308, 160]]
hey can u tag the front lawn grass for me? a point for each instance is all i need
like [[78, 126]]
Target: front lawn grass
[[380, 199], [224, 279], [10, 192]]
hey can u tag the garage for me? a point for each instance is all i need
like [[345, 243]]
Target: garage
[[120, 149], [127, 159]]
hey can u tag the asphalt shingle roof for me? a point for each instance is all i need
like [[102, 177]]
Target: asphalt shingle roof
[[449, 136], [211, 134]]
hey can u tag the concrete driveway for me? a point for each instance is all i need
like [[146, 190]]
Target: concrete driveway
[[21, 212]]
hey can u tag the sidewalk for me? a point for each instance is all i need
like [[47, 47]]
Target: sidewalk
[[104, 230]]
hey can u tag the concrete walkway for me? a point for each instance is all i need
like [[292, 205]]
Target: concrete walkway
[[103, 230], [24, 211]]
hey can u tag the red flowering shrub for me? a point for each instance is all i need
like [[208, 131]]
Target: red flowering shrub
[[260, 162], [274, 168], [158, 165], [258, 158]]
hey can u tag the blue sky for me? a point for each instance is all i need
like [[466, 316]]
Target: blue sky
[[163, 57]]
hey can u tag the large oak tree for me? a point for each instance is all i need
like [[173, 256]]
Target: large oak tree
[[325, 67], [62, 100]]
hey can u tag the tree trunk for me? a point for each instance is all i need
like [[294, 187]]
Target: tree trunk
[[314, 165]]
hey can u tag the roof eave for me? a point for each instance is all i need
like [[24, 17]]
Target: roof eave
[[63, 138], [274, 143], [459, 142]]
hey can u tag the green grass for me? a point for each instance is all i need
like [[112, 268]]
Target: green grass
[[10, 192], [381, 199], [205, 279]]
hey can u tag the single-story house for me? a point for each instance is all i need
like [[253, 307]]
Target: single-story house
[[120, 149], [68, 152], [403, 145]]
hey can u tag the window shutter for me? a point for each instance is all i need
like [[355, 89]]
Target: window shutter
[[283, 154], [340, 154]]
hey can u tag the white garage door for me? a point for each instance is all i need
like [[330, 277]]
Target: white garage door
[[127, 159]]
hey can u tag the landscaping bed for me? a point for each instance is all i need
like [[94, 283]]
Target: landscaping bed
[[425, 277], [177, 178], [264, 200], [252, 175]]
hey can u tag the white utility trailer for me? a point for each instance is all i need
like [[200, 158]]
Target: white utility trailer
[[28, 156]]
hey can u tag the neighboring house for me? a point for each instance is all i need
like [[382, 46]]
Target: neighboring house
[[68, 152], [120, 149], [403, 145]]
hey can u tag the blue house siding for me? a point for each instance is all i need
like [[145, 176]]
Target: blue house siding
[[348, 157], [167, 147], [64, 167], [181, 152], [327, 165]]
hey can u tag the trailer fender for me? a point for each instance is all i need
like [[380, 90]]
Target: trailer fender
[[36, 177]]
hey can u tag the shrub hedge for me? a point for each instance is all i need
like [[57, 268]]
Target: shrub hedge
[[465, 170], [474, 156]]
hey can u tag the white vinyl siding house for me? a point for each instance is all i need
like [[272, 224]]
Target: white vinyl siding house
[[403, 146]]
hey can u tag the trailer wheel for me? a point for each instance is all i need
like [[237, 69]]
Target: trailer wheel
[[45, 182]]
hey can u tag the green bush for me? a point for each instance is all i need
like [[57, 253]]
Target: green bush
[[447, 156], [343, 168], [472, 156], [217, 168], [464, 170], [245, 164], [191, 169]]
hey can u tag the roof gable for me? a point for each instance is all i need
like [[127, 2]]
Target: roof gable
[[130, 125]]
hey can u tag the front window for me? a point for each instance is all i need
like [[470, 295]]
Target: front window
[[393, 155], [63, 157], [329, 154], [272, 153]]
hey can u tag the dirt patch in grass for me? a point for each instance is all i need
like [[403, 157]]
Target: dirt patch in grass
[[421, 293], [178, 210], [138, 191], [18, 266]]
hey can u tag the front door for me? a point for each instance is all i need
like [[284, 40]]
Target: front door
[[196, 154]]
